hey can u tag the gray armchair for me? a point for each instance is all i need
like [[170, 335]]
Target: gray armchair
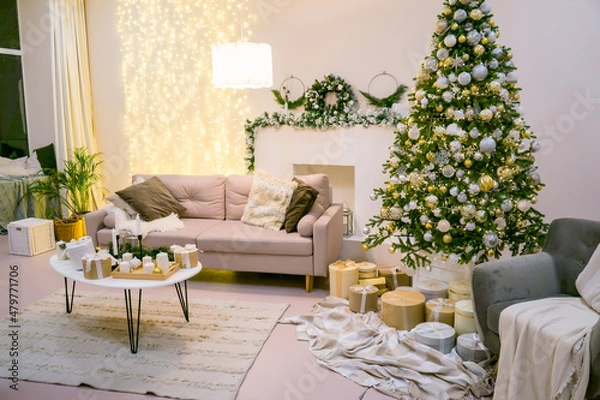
[[550, 273]]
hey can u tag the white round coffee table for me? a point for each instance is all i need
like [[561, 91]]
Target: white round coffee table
[[65, 268]]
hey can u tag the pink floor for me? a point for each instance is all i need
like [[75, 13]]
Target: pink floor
[[284, 370]]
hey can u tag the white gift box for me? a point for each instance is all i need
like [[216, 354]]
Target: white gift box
[[76, 249], [470, 348], [437, 335]]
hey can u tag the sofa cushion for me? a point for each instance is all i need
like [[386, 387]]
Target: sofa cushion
[[268, 201], [152, 199], [321, 183], [302, 201], [307, 222], [238, 237], [194, 227], [203, 196], [237, 189]]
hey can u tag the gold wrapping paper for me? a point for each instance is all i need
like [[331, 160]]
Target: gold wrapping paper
[[459, 290], [363, 298], [192, 256], [402, 309], [96, 267], [342, 275], [440, 310], [366, 270], [395, 277], [379, 283]]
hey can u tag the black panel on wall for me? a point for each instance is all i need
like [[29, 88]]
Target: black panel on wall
[[9, 25]]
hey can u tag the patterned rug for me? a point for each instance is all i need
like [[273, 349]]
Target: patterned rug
[[206, 358]]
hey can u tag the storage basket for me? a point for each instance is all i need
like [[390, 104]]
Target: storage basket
[[30, 236], [67, 229]]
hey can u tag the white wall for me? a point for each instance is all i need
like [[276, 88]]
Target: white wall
[[554, 50]]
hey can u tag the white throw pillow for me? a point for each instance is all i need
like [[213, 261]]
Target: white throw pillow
[[33, 164], [122, 204], [588, 281], [268, 201]]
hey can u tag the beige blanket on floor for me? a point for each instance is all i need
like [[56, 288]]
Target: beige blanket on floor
[[365, 350], [545, 349]]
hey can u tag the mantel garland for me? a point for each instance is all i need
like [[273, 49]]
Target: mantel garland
[[315, 121]]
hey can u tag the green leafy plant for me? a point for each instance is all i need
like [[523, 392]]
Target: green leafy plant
[[70, 188], [291, 105], [385, 102]]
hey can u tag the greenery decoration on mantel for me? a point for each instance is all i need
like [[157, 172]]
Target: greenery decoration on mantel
[[320, 115]]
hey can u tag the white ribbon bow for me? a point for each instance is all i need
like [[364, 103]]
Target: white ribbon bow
[[439, 306], [363, 299], [473, 343]]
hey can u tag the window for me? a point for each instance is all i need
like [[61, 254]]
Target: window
[[13, 129]]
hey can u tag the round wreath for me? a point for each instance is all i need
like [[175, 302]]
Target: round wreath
[[386, 102], [315, 96]]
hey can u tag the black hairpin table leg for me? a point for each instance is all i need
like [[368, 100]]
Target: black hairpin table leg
[[133, 327], [69, 302], [183, 299]]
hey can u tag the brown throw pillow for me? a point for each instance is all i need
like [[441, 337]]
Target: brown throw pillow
[[151, 199], [302, 201]]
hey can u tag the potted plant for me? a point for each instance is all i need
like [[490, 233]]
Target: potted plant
[[68, 193]]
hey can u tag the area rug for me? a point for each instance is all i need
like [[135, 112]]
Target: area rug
[[367, 351], [206, 358]]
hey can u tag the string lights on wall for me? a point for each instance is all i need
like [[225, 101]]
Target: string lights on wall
[[176, 121]]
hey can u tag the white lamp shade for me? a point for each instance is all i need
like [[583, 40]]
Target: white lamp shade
[[242, 65]]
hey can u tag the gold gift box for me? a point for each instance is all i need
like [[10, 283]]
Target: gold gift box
[[402, 309], [357, 292], [97, 268], [180, 258], [402, 278], [440, 310], [342, 275]]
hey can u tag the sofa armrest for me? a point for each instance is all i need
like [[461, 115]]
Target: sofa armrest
[[529, 276], [327, 239], [94, 221]]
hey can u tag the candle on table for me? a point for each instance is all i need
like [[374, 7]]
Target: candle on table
[[138, 225], [162, 261], [127, 256], [114, 241]]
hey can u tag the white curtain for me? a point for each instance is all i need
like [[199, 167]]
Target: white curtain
[[72, 87]]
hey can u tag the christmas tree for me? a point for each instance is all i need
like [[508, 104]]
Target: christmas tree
[[462, 172]]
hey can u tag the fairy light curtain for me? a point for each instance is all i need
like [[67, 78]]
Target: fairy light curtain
[[176, 121]]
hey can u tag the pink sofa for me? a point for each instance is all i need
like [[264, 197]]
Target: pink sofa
[[214, 205]]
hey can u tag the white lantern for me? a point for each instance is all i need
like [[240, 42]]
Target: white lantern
[[242, 65]]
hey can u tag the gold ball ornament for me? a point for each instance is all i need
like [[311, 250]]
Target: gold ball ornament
[[439, 108], [479, 49], [500, 108], [389, 187], [526, 134], [466, 93], [447, 238], [408, 143], [511, 159], [465, 57], [486, 183], [462, 39], [509, 56], [157, 270], [443, 189], [448, 62], [533, 200], [499, 212], [392, 250], [516, 96], [491, 253], [447, 11], [430, 156], [430, 188], [476, 14], [484, 41], [422, 142], [454, 26], [474, 89], [428, 225], [391, 227], [395, 195], [365, 247], [468, 163], [492, 23]]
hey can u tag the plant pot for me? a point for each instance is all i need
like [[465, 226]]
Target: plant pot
[[67, 229]]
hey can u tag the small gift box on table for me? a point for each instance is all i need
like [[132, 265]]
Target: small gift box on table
[[437, 335], [342, 275], [402, 309], [366, 270], [440, 310], [97, 265], [470, 348], [459, 290], [186, 257], [464, 322], [76, 249], [433, 289], [363, 298], [396, 277]]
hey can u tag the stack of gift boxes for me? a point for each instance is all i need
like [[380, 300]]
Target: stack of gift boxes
[[439, 314]]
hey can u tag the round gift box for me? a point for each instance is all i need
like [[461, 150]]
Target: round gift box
[[440, 310], [366, 270], [433, 289], [363, 298], [396, 277], [341, 276], [402, 309], [463, 317], [470, 348], [459, 290], [437, 335]]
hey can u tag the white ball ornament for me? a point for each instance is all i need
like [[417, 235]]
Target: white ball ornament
[[447, 96], [491, 37], [520, 109], [493, 63], [437, 212], [535, 146], [474, 133], [427, 236], [452, 77], [419, 94], [453, 191], [480, 72], [504, 94], [470, 226], [453, 130], [473, 37], [450, 41], [459, 115], [464, 78], [414, 133], [395, 213], [460, 15], [412, 205], [485, 7], [490, 239], [497, 133], [366, 230], [452, 2], [394, 180], [523, 205], [512, 77], [373, 196], [441, 25], [424, 102], [442, 82], [500, 223], [462, 197], [506, 205], [442, 54], [477, 156], [431, 64], [443, 226], [495, 86], [501, 77], [448, 172], [487, 144], [394, 162]]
